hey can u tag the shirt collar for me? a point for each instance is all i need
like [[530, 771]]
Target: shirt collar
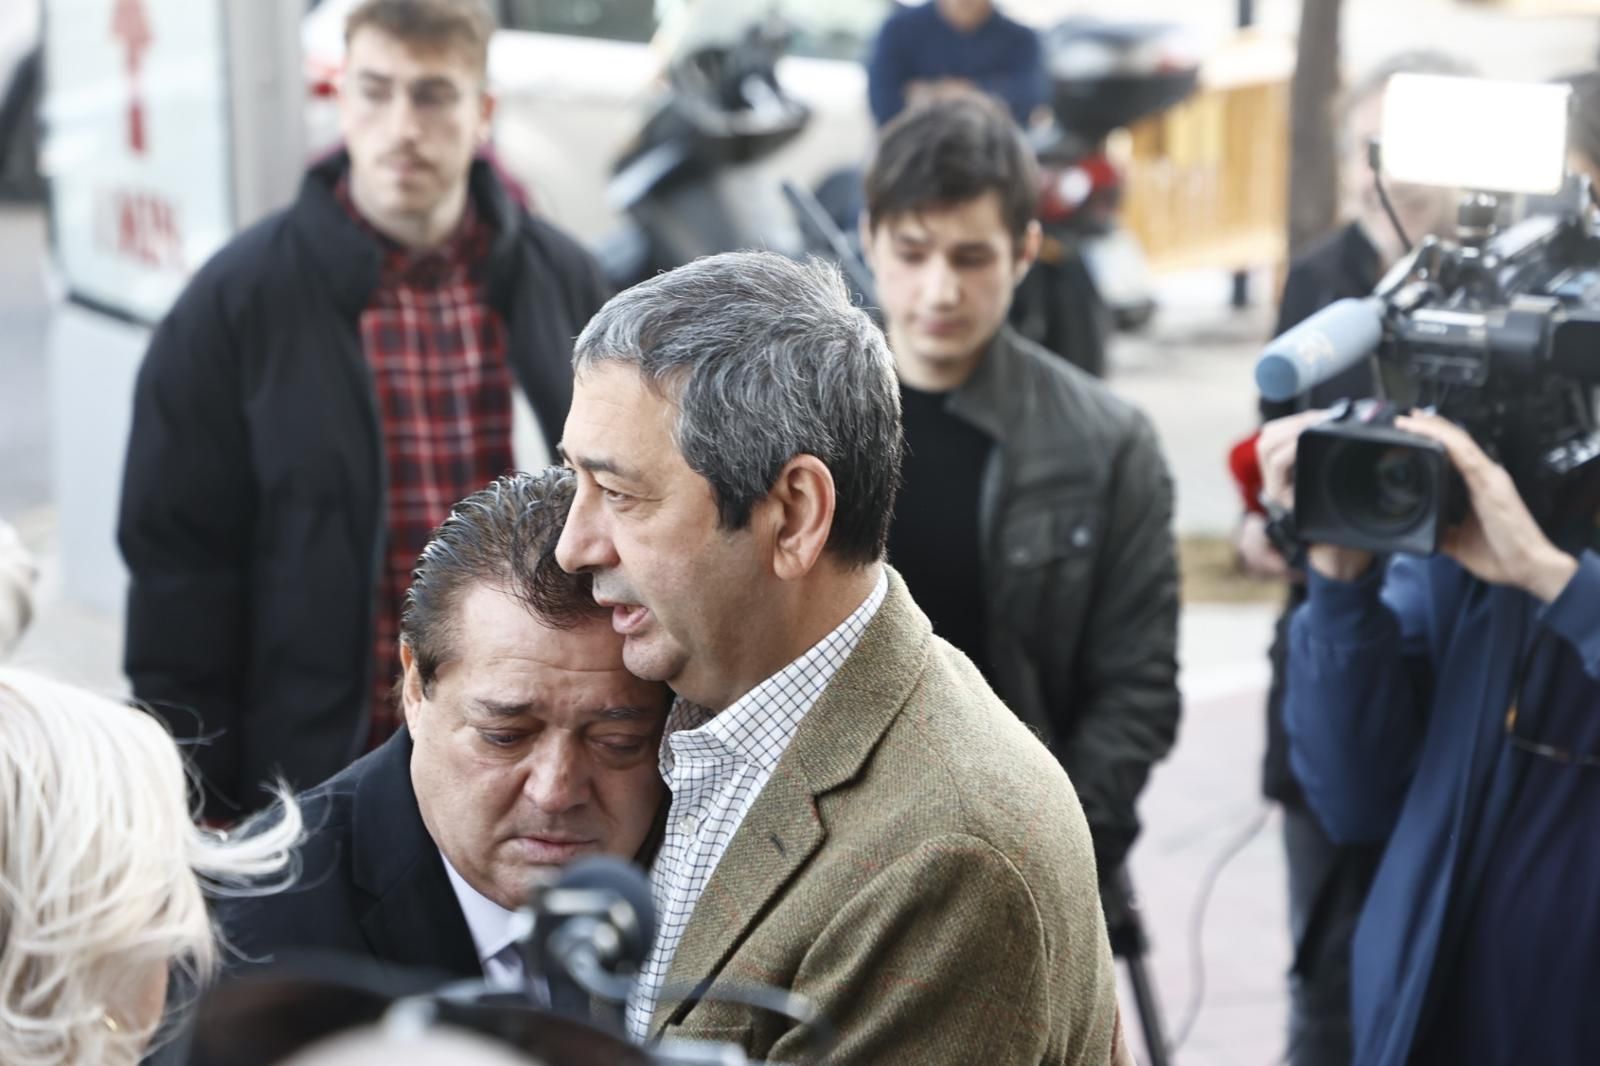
[[465, 248], [748, 729], [493, 927]]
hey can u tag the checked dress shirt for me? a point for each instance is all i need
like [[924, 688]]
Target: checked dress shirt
[[716, 766], [443, 382]]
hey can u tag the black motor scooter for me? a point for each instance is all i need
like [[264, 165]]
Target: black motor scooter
[[691, 183], [1091, 276]]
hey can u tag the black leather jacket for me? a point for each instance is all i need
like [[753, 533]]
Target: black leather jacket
[[1075, 524]]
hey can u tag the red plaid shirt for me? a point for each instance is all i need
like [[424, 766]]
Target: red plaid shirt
[[438, 358]]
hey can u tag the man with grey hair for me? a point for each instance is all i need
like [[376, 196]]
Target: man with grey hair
[[855, 816]]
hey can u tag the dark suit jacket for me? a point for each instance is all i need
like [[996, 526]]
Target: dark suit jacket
[[371, 880]]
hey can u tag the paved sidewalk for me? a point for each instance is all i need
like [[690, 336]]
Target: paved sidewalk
[[1198, 807], [1193, 375]]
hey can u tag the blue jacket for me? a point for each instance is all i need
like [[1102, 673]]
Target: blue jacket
[[916, 44], [1398, 687]]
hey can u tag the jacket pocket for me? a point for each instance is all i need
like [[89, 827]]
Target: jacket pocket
[[1049, 531], [739, 1036], [1047, 549]]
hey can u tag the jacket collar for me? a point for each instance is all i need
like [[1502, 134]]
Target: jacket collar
[[1359, 257], [988, 395], [349, 259], [783, 829], [415, 918]]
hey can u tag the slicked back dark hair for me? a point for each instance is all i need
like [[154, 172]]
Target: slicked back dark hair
[[503, 536], [464, 26], [948, 151]]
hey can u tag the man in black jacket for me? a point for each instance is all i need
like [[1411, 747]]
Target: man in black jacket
[[526, 744], [323, 391], [1033, 523]]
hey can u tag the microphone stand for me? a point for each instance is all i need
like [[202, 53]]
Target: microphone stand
[[1130, 944]]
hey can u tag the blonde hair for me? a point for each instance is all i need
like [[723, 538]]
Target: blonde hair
[[102, 871]]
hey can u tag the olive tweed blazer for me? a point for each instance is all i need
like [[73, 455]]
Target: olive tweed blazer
[[919, 868]]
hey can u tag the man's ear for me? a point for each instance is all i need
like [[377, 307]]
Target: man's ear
[[803, 498], [1028, 250], [410, 687]]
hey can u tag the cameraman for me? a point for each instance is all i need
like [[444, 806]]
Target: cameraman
[[1451, 706]]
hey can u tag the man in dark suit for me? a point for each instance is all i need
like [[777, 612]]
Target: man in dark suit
[[526, 745]]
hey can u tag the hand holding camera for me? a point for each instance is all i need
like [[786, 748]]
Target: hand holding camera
[[1498, 540], [1275, 452]]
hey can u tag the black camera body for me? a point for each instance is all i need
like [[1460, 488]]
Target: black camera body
[[1500, 333]]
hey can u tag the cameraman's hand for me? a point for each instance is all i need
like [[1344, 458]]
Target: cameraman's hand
[[1498, 542], [1275, 451], [1254, 552]]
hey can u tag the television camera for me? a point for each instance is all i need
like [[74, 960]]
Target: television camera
[[1497, 330]]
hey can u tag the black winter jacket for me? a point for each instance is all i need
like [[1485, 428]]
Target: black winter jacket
[[252, 514]]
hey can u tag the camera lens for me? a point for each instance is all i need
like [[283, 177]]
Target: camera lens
[[1402, 483], [1381, 489]]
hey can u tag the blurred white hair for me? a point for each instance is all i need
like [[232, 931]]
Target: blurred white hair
[[102, 872], [17, 575]]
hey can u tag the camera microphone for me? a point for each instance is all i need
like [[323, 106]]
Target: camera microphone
[[592, 930], [1322, 347]]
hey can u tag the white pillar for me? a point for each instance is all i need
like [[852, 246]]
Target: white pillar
[[169, 127]]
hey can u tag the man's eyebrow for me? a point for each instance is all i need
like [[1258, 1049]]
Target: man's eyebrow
[[627, 714], [434, 81], [597, 465], [369, 75], [512, 709], [500, 709]]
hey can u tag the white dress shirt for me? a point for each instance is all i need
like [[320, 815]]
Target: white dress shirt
[[716, 766], [494, 932]]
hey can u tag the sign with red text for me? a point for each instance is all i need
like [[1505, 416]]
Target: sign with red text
[[136, 146]]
